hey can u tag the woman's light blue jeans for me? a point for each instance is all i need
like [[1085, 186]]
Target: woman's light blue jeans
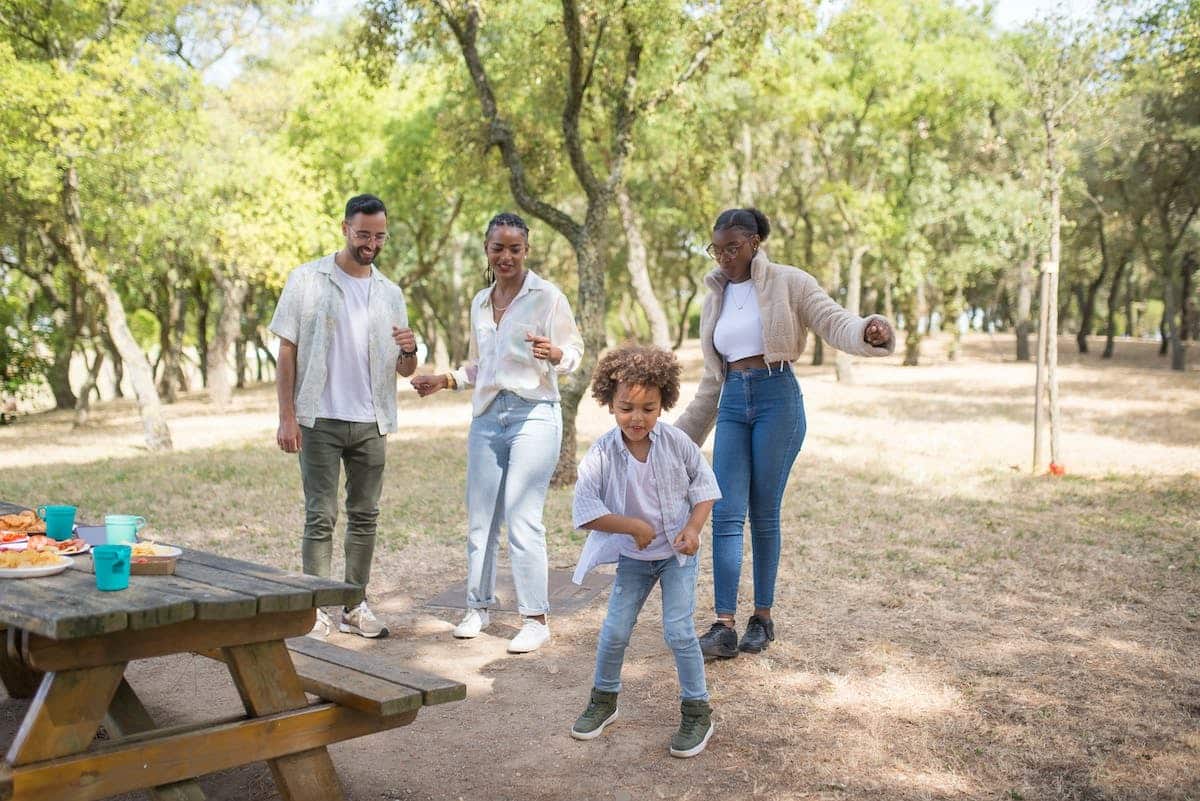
[[635, 579], [512, 449], [760, 428]]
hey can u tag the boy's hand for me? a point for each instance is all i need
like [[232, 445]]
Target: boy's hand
[[643, 534], [688, 541]]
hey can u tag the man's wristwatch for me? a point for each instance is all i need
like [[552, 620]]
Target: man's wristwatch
[[408, 354]]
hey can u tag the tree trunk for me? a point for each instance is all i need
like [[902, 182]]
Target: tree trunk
[[639, 271], [73, 243], [914, 306], [1188, 323], [843, 363], [172, 379], [202, 306], [1049, 333], [818, 357], [1110, 332], [953, 312], [685, 309], [246, 324], [83, 405], [230, 291], [1024, 306]]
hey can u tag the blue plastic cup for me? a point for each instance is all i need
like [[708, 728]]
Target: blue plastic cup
[[60, 521], [122, 529], [111, 563]]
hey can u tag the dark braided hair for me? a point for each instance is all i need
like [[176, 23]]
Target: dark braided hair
[[505, 219], [751, 221]]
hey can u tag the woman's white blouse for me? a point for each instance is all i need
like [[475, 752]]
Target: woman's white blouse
[[500, 358]]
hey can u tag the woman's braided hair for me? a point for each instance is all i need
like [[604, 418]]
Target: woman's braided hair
[[505, 219]]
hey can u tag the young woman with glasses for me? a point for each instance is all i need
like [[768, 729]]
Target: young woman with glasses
[[753, 325]]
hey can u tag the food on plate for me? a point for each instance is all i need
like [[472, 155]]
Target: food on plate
[[71, 546], [26, 521], [10, 560], [12, 536], [148, 549]]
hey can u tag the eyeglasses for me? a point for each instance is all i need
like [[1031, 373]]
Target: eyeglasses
[[726, 253], [363, 237]]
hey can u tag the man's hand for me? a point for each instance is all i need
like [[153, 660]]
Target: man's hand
[[288, 436], [405, 338], [428, 384], [688, 541], [642, 533], [542, 349], [878, 333]]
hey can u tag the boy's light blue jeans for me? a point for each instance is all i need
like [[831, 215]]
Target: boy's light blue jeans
[[760, 428], [512, 449], [635, 579]]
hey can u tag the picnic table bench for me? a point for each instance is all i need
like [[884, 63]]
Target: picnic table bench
[[66, 645]]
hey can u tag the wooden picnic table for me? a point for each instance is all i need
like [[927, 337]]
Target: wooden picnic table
[[66, 645]]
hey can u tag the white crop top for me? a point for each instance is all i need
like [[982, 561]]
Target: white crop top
[[738, 333]]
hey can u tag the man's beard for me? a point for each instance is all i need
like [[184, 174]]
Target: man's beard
[[357, 253]]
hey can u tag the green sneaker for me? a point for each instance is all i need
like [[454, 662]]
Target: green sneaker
[[601, 711], [694, 729]]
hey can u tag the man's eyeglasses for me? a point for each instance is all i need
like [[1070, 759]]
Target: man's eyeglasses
[[363, 237], [726, 253]]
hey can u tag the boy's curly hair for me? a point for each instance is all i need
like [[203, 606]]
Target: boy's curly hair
[[645, 365]]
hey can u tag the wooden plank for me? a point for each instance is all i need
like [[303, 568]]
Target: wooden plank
[[127, 715], [212, 602], [267, 681], [269, 595], [19, 680], [175, 754], [42, 653], [349, 687], [434, 689], [326, 592], [69, 605], [65, 714]]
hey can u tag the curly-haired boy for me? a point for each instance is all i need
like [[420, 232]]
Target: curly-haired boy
[[644, 492]]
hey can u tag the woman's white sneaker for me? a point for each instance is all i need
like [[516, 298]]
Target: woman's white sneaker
[[475, 621], [532, 636]]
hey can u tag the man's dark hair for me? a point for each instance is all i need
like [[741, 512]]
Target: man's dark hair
[[364, 204]]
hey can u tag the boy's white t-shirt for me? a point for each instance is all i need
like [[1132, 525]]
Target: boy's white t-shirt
[[347, 393], [641, 501]]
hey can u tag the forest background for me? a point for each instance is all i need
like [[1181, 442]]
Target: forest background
[[917, 158]]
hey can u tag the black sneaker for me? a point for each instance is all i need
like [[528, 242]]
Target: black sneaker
[[758, 635], [719, 642]]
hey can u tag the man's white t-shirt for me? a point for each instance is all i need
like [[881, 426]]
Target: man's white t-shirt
[[347, 393], [641, 501]]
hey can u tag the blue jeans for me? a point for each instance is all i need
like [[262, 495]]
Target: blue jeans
[[512, 449], [635, 579], [760, 428]]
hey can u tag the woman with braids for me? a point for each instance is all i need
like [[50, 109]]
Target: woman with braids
[[523, 337], [754, 323]]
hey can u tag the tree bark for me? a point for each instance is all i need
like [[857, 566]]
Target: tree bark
[[83, 405], [639, 270], [170, 340], [1110, 332], [230, 291], [914, 307]]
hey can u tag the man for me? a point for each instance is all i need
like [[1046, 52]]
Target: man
[[344, 336]]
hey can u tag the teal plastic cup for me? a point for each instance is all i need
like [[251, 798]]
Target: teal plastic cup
[[111, 563], [60, 521], [122, 529]]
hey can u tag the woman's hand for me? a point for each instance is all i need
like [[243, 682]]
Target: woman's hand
[[688, 541], [542, 349], [878, 333], [429, 384], [642, 533]]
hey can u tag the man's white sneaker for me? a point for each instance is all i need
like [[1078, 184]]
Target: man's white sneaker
[[322, 627], [475, 621], [361, 621], [532, 636]]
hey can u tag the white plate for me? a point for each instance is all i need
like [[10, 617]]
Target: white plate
[[20, 546], [34, 572]]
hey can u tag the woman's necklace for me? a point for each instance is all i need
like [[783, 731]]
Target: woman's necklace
[[745, 298]]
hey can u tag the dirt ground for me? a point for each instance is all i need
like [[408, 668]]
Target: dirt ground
[[950, 627]]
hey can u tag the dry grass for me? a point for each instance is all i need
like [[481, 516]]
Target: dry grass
[[950, 627]]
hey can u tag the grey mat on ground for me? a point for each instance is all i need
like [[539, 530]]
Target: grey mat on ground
[[565, 596]]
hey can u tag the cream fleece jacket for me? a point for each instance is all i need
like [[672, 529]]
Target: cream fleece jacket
[[790, 302]]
